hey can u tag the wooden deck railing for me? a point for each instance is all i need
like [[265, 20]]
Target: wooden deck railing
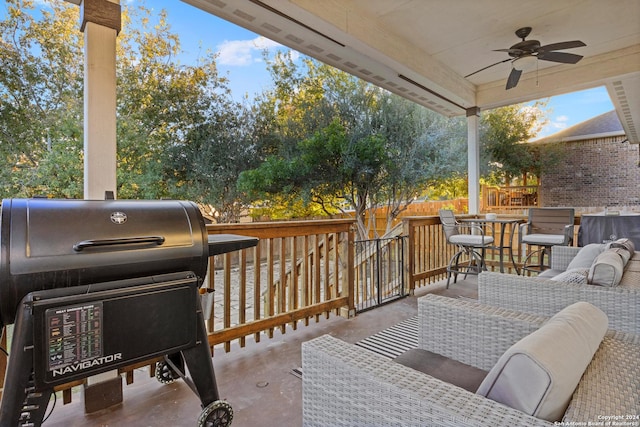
[[301, 271], [505, 199]]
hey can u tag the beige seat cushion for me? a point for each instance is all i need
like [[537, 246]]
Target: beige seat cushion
[[449, 370], [539, 373]]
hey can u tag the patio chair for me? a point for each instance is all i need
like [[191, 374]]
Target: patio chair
[[470, 240], [344, 384], [546, 227]]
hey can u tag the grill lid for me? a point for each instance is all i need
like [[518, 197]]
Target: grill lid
[[48, 235]]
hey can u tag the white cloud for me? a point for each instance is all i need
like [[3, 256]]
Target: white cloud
[[560, 122], [244, 52]]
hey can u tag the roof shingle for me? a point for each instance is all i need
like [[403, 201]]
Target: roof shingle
[[604, 124]]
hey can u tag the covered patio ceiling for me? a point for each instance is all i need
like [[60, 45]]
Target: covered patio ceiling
[[422, 49]]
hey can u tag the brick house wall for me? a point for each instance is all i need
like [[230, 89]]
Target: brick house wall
[[594, 174]]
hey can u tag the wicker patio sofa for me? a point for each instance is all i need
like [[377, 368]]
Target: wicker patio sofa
[[545, 296], [346, 385]]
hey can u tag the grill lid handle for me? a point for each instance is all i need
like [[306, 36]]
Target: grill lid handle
[[78, 247]]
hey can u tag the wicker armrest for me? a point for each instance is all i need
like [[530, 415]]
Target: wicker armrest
[[561, 256], [611, 382], [347, 385], [546, 297], [470, 332]]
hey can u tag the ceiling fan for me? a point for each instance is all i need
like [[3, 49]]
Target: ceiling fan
[[526, 53]]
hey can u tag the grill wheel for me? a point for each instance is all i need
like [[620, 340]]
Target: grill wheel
[[216, 414], [165, 374]]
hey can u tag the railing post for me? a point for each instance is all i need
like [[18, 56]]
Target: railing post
[[401, 246], [351, 259], [378, 272], [408, 230]]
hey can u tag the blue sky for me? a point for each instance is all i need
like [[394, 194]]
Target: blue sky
[[240, 59]]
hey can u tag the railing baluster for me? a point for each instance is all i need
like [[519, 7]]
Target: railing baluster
[[269, 304], [257, 287], [242, 298], [293, 283], [227, 297]]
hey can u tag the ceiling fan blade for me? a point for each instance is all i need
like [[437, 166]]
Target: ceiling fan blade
[[514, 78], [561, 46], [488, 66], [565, 58], [510, 51]]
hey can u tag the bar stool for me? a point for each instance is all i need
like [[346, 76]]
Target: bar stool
[[545, 228], [470, 241]]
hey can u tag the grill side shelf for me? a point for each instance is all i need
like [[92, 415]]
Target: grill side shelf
[[223, 243]]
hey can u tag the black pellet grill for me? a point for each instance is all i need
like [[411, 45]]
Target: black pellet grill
[[96, 285]]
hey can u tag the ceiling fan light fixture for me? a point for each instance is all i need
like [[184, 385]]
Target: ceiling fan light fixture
[[525, 63]]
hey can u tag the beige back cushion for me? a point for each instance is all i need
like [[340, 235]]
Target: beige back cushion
[[539, 373], [608, 267]]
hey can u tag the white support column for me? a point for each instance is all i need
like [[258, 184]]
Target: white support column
[[101, 24], [100, 20], [473, 153]]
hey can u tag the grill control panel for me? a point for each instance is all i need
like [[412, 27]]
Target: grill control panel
[[111, 326]]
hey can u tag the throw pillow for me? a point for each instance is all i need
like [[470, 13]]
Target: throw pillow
[[577, 276], [584, 258], [623, 243], [539, 373], [623, 253]]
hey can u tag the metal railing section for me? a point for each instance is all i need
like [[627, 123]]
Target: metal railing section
[[379, 271]]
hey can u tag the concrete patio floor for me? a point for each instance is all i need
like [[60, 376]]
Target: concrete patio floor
[[257, 380]]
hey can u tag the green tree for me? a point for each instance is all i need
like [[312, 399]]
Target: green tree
[[504, 135], [330, 169], [205, 168], [340, 143], [40, 98], [160, 104], [423, 149]]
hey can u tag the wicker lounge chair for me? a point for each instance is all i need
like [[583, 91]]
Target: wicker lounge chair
[[344, 384], [544, 296]]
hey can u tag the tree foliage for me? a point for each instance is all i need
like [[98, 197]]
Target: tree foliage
[[40, 99], [340, 143], [505, 151], [319, 141], [179, 134]]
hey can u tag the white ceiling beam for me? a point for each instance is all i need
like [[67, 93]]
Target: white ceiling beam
[[354, 27]]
